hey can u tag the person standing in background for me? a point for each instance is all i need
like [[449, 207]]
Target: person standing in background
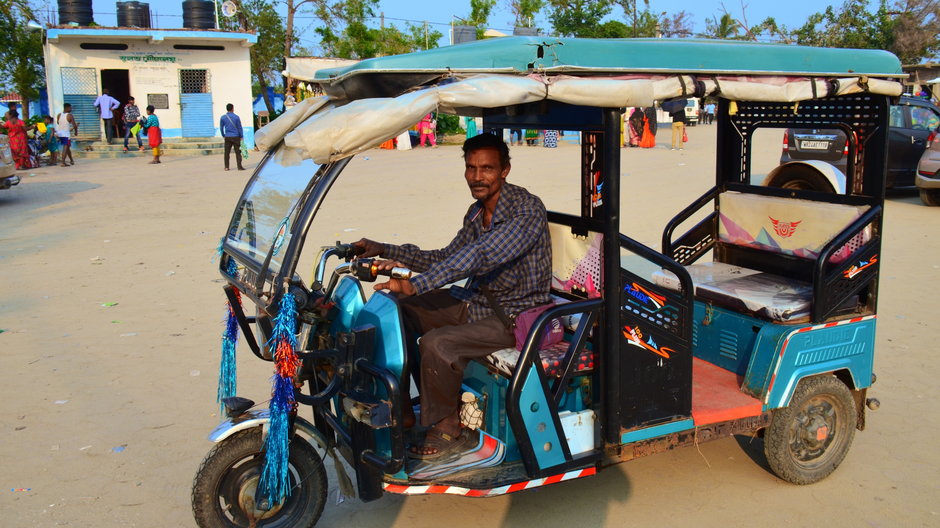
[[64, 125], [16, 132], [106, 106], [709, 113], [678, 125], [131, 117], [426, 129], [51, 140], [154, 135], [231, 127]]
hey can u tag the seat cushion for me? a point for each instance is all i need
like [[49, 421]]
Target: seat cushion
[[761, 294], [504, 361]]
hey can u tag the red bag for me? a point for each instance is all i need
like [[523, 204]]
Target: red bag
[[685, 137], [554, 332]]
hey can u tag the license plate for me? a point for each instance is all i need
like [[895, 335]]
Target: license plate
[[814, 145]]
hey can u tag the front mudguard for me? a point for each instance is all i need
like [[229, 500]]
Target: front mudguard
[[261, 418]]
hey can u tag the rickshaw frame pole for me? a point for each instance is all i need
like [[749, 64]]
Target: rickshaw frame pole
[[610, 360]]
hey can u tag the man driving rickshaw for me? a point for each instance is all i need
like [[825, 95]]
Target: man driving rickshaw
[[504, 252]]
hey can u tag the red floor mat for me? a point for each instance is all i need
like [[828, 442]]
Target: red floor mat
[[717, 396]]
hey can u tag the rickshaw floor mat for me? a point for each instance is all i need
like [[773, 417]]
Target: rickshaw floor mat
[[717, 396], [485, 478], [488, 452]]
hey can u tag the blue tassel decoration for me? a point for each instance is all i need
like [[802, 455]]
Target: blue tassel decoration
[[275, 483], [228, 380]]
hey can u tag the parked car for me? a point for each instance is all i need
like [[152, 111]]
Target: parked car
[[8, 177], [911, 122], [928, 171], [692, 111]]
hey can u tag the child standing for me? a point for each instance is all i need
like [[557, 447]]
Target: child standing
[[152, 125], [50, 140]]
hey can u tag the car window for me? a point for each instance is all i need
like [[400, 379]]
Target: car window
[[896, 119], [924, 118]]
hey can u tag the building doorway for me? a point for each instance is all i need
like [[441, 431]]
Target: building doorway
[[118, 83]]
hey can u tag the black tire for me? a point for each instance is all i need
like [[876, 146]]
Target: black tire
[[930, 197], [801, 178], [223, 489], [808, 439]]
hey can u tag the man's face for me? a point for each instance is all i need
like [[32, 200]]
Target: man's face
[[484, 173]]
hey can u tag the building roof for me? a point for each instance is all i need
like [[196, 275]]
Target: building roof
[[151, 35]]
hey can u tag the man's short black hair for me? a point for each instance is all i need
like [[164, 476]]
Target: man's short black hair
[[66, 106], [130, 98], [487, 140], [229, 107], [150, 108]]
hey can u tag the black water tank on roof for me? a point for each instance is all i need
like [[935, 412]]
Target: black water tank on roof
[[133, 14], [198, 14], [76, 12]]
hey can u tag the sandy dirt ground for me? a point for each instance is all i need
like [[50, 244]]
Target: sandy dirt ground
[[111, 307]]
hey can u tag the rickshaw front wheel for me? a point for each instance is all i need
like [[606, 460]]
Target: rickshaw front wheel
[[809, 438], [224, 486]]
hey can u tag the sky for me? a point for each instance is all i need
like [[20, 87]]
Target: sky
[[439, 13]]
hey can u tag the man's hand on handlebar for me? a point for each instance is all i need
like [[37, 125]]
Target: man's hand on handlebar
[[400, 286], [370, 248]]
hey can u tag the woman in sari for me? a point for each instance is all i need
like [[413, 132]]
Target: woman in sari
[[16, 131], [636, 127], [648, 137]]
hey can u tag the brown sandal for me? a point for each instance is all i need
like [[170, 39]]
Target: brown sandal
[[444, 444]]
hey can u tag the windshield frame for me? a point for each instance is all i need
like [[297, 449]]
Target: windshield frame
[[262, 284]]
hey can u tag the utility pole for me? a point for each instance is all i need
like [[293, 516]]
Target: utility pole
[[425, 34]]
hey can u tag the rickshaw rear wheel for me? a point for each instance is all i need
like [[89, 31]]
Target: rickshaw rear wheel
[[808, 439], [224, 486]]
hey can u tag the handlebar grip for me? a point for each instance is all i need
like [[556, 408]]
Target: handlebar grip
[[368, 270]]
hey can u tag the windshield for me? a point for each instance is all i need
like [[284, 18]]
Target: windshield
[[265, 214]]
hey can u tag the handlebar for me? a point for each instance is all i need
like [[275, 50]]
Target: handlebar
[[368, 270]]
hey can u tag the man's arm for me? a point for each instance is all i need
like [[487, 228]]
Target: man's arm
[[421, 260]]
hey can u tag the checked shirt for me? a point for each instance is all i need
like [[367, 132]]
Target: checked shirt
[[513, 256]]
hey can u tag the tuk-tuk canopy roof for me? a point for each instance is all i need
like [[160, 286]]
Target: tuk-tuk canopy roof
[[378, 99], [593, 56]]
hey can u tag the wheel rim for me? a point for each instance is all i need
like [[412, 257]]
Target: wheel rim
[[236, 496], [817, 431]]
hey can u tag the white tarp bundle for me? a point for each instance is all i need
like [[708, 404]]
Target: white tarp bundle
[[323, 133]]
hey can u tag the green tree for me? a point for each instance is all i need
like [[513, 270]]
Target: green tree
[[725, 28], [267, 55], [525, 11], [21, 62], [346, 34], [908, 28], [479, 15], [644, 23], [579, 18]]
